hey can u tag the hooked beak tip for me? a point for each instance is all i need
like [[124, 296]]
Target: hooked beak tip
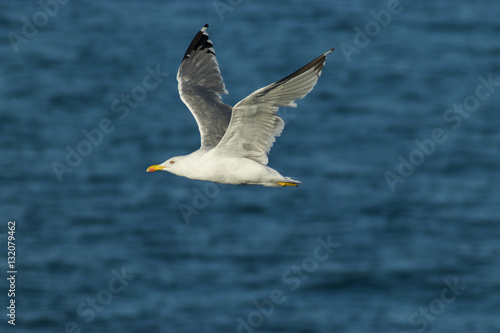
[[155, 168]]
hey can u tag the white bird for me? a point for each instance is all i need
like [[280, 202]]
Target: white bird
[[235, 141]]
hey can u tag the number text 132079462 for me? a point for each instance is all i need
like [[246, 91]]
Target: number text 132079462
[[11, 271]]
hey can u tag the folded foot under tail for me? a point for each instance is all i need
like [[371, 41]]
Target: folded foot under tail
[[289, 182], [283, 184]]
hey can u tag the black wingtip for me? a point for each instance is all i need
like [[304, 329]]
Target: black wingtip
[[317, 64], [330, 50], [200, 41]]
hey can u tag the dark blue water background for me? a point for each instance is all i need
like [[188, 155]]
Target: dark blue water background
[[420, 252]]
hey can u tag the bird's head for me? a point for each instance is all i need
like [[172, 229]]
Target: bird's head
[[172, 165]]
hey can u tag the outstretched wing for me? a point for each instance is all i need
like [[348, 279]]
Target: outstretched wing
[[201, 87], [254, 124]]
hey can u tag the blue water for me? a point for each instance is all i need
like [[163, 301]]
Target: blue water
[[397, 149]]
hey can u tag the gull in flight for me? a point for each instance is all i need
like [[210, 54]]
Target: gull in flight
[[235, 141]]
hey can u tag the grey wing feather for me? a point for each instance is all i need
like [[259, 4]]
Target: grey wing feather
[[254, 123], [200, 88]]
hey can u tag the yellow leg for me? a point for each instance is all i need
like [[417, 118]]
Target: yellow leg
[[287, 184]]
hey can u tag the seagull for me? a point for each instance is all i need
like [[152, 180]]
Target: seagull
[[235, 141]]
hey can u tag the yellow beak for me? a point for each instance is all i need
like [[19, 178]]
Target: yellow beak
[[155, 168]]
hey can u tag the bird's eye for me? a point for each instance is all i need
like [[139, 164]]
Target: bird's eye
[[172, 162]]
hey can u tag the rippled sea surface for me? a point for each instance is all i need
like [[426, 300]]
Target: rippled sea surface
[[395, 227]]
